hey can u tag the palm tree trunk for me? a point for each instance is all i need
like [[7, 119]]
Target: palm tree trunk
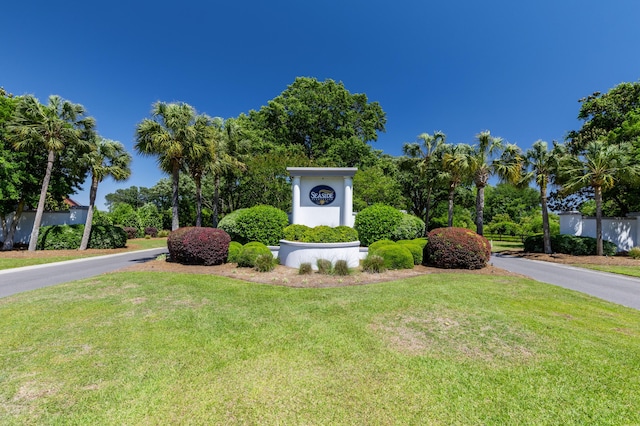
[[480, 209], [87, 224], [175, 180], [33, 240], [198, 181], [8, 237], [546, 234], [216, 200], [452, 190], [427, 212], [598, 198]]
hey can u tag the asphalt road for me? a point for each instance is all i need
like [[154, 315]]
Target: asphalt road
[[615, 288], [18, 280]]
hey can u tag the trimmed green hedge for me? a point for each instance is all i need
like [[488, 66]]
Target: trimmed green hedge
[[250, 253], [320, 234], [262, 223], [69, 237], [396, 256], [569, 244], [377, 222]]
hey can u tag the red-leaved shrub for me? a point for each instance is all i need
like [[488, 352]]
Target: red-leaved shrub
[[131, 232], [457, 248], [198, 246], [151, 231]]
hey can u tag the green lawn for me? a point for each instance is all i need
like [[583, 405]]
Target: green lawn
[[633, 271], [7, 261], [500, 246], [153, 348]]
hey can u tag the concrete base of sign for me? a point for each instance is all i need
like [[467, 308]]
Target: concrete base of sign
[[293, 253]]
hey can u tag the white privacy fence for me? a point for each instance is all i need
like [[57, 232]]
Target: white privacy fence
[[75, 215], [622, 231]]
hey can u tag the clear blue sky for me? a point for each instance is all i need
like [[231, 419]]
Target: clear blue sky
[[516, 68]]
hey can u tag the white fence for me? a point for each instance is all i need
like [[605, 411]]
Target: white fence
[[622, 231], [75, 215]]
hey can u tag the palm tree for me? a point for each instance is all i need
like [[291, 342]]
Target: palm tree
[[53, 127], [168, 135], [199, 157], [107, 158], [491, 156], [540, 166], [600, 166], [455, 170], [427, 152]]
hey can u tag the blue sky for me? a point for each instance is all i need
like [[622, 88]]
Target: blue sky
[[460, 66]]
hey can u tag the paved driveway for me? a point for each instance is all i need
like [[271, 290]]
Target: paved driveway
[[612, 287], [17, 280]]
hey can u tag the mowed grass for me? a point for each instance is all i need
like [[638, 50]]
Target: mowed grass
[[633, 271], [9, 260], [454, 348]]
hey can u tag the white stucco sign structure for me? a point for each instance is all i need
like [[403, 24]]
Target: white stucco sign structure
[[322, 195]]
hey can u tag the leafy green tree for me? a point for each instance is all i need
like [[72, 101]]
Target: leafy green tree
[[150, 216], [490, 156], [170, 135], [426, 152], [331, 125], [372, 186], [613, 118], [134, 196], [599, 166], [53, 128], [106, 158], [541, 165], [455, 169]]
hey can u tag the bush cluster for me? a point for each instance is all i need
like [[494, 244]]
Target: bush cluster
[[198, 246], [410, 227], [457, 248], [151, 231], [415, 247], [69, 237], [131, 232], [250, 252], [382, 222], [634, 253], [396, 256], [377, 222], [569, 244], [229, 225], [262, 223], [320, 234]]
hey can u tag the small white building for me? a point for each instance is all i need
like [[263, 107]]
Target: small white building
[[322, 195], [76, 215], [622, 231]]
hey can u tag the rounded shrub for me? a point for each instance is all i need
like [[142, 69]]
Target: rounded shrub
[[381, 243], [396, 256], [250, 252], [151, 231], [377, 222], [410, 227], [131, 232], [107, 237], [264, 224], [229, 225], [295, 232], [457, 248], [415, 249], [60, 237], [234, 249], [199, 246]]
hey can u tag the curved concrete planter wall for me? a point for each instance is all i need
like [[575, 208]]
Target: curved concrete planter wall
[[293, 253]]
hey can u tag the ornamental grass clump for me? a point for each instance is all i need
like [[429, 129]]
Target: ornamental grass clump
[[634, 253], [373, 264], [305, 268], [324, 266], [199, 246], [265, 263], [457, 248], [341, 267]]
